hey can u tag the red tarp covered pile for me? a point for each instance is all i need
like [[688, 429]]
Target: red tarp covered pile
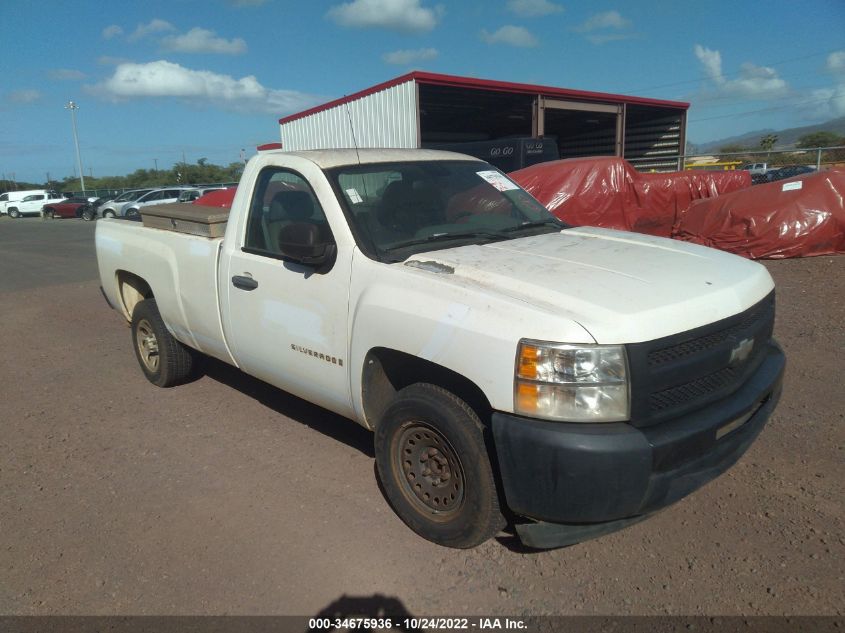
[[799, 217], [609, 192]]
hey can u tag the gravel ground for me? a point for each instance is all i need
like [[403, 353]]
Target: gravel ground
[[227, 496]]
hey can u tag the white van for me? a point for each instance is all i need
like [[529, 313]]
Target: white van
[[16, 196]]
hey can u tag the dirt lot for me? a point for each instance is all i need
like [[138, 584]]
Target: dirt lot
[[226, 496]]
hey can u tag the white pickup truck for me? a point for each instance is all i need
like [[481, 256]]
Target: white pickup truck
[[566, 381]]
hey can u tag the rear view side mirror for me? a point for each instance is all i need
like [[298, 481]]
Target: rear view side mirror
[[302, 242]]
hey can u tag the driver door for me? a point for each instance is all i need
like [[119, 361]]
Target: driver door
[[288, 321]]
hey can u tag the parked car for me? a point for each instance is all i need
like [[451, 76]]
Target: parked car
[[189, 195], [788, 171], [32, 204], [7, 199], [756, 168], [110, 208], [156, 196], [69, 208]]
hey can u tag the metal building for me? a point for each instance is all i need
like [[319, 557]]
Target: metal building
[[423, 109]]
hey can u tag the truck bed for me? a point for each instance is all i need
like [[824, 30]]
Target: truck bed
[[181, 270]]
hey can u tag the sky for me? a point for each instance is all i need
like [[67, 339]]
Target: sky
[[155, 81]]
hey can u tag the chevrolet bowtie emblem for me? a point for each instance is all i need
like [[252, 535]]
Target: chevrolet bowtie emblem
[[741, 352]]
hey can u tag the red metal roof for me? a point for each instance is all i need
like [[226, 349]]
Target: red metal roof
[[487, 84]]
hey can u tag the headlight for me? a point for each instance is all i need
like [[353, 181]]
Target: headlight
[[572, 383]]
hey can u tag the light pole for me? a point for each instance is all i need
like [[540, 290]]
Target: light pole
[[73, 107], [155, 160]]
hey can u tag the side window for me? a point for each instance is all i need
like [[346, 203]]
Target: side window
[[281, 199], [4, 197]]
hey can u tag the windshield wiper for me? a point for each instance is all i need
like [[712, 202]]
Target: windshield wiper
[[534, 224], [437, 237]]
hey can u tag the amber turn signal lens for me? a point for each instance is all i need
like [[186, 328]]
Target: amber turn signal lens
[[528, 357]]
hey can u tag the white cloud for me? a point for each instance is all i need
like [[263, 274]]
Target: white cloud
[[113, 30], [406, 57], [827, 103], [199, 40], [836, 62], [163, 79], [66, 74], [151, 27], [605, 20], [711, 61], [754, 82], [533, 8], [396, 15], [510, 35], [26, 95], [604, 38]]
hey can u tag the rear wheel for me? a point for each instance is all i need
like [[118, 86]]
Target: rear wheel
[[164, 360], [434, 466], [132, 214]]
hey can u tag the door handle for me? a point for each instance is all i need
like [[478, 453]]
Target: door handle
[[244, 283]]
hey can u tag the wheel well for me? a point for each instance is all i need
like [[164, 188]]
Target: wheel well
[[133, 290], [386, 371]]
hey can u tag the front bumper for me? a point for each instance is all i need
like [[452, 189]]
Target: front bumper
[[589, 479]]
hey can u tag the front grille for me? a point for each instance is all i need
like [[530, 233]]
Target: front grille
[[703, 343], [682, 372], [693, 390]]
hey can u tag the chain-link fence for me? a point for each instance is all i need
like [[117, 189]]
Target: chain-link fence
[[763, 165]]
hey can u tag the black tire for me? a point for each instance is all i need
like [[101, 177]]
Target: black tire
[[14, 213], [49, 214], [164, 360], [435, 469], [89, 214], [132, 214], [108, 213]]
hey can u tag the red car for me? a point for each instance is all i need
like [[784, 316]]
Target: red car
[[68, 208]]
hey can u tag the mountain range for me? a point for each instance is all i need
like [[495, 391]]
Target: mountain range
[[786, 138]]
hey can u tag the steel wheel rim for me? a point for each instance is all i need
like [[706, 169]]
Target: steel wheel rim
[[147, 344], [429, 471]]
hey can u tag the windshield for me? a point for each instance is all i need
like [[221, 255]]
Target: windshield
[[131, 195], [398, 209]]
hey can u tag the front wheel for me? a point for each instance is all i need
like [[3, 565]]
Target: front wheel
[[108, 213], [14, 213], [164, 360], [435, 469], [49, 214], [88, 215]]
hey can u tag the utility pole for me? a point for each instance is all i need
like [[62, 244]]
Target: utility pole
[[73, 107], [155, 162]]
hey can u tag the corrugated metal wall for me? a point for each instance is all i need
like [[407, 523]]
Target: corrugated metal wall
[[387, 118]]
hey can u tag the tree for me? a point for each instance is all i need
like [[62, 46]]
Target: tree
[[820, 139], [768, 142]]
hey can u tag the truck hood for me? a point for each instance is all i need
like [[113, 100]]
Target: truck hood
[[621, 287]]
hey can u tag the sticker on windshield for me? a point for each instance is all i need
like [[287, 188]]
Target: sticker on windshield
[[499, 181], [791, 186], [354, 196]]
